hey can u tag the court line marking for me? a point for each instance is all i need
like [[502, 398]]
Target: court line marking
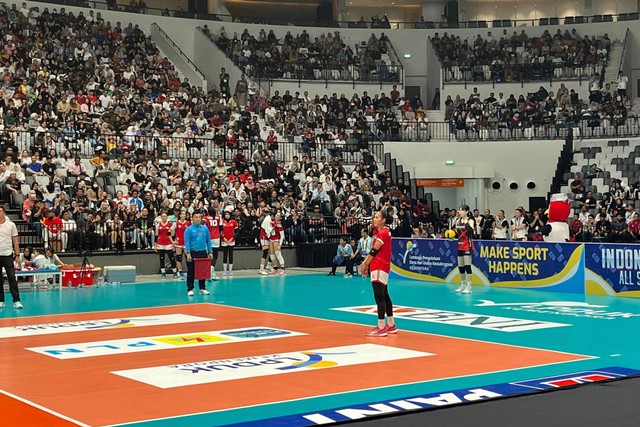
[[42, 408], [408, 330], [344, 393], [585, 358], [103, 311]]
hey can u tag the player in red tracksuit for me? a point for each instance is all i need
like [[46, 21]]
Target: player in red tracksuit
[[213, 221], [465, 226], [275, 245], [164, 244], [229, 227], [378, 263], [178, 231]]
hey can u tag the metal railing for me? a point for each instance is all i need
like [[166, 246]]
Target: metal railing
[[423, 131], [106, 236], [182, 148], [497, 23], [520, 73], [183, 55]]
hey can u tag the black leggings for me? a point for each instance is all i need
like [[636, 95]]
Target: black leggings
[[383, 301], [172, 258], [227, 254], [214, 258]]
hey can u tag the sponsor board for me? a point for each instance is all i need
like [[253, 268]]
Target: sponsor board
[[470, 320], [92, 325], [613, 269], [213, 371], [530, 265], [436, 400], [137, 345], [561, 308]]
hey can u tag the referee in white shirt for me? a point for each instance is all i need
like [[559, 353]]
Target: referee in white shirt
[[9, 249]]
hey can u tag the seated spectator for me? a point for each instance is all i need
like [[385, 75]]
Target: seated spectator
[[316, 224], [344, 256], [577, 186]]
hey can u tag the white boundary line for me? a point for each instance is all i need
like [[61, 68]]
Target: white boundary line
[[585, 358], [415, 332], [346, 392], [100, 311], [42, 408]]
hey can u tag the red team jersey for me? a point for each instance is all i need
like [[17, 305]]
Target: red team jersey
[[229, 230], [382, 261], [465, 236], [179, 227], [278, 232], [213, 224], [164, 231]]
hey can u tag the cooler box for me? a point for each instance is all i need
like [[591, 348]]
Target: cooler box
[[74, 275], [120, 273], [202, 269]]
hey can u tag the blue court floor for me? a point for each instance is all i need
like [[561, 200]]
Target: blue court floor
[[591, 332]]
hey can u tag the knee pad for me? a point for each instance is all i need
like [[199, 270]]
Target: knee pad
[[265, 254], [461, 269], [468, 269], [179, 257], [280, 257]]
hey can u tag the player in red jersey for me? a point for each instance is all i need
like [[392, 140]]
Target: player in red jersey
[[378, 262], [213, 222], [275, 244], [164, 244], [178, 231], [229, 227], [464, 228], [266, 228]]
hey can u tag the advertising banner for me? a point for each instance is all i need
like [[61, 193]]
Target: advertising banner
[[532, 265], [612, 269]]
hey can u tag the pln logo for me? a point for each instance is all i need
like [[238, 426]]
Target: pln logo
[[411, 245], [314, 361]]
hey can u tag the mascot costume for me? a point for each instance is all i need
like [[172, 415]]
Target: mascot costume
[[557, 229]]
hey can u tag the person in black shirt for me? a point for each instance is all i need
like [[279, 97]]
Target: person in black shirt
[[49, 167]]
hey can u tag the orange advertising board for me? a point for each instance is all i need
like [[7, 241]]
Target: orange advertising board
[[440, 183]]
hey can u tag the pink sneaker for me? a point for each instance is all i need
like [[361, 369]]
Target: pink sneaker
[[377, 332], [392, 329], [282, 272], [273, 273]]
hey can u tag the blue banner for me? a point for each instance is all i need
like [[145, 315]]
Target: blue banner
[[434, 400], [613, 269], [532, 265]]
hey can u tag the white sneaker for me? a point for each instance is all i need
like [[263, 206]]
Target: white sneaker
[[190, 293], [204, 292], [467, 289], [231, 273], [224, 274], [18, 305], [1, 304], [263, 272], [461, 288], [214, 277]]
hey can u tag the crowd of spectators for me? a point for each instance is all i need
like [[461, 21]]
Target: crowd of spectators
[[610, 216], [304, 57], [543, 113], [75, 82], [520, 57]]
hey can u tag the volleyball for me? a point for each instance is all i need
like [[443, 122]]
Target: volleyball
[[450, 234]]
